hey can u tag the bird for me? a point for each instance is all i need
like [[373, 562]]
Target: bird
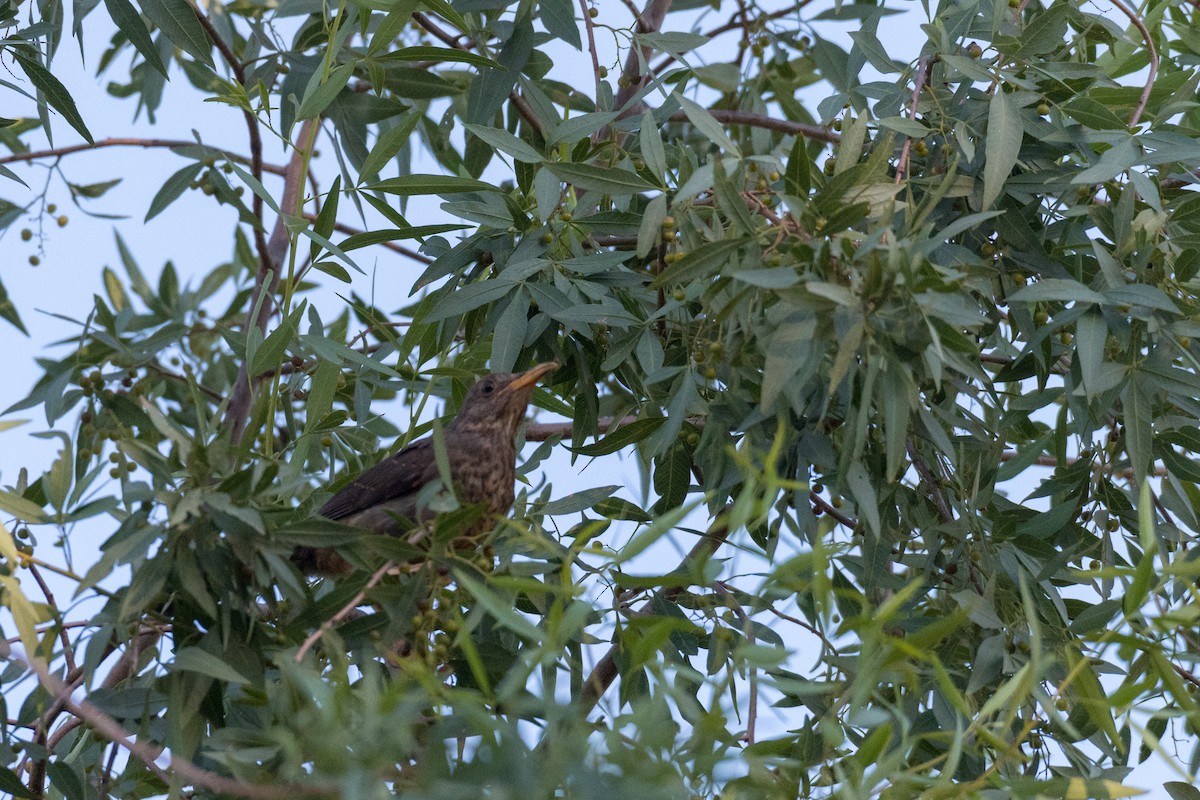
[[481, 451]]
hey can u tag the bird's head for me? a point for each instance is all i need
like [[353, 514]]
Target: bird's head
[[498, 401]]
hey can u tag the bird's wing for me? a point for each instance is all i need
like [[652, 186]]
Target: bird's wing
[[396, 476]]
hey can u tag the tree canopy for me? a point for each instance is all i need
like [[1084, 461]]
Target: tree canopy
[[905, 352]]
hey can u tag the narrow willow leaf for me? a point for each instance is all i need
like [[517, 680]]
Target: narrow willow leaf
[[411, 185], [651, 146], [559, 18], [172, 189], [426, 53], [1004, 134], [609, 180], [52, 89], [130, 22], [387, 145], [622, 437], [320, 93], [509, 336], [505, 142], [708, 126], [177, 20]]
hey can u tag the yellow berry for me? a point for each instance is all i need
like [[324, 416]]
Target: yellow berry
[[62, 221], [26, 234]]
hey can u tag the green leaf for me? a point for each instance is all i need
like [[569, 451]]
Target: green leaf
[[172, 189], [177, 20], [579, 127], [1004, 134], [1181, 791], [52, 89], [699, 263], [708, 126], [579, 501], [502, 610], [672, 477], [8, 311], [651, 146], [412, 185], [270, 353], [468, 298], [320, 93], [1093, 114], [509, 335], [327, 218], [1043, 33], [1062, 290], [859, 483], [1138, 434], [1091, 336], [388, 144], [367, 238], [21, 508], [193, 659], [559, 18], [426, 53], [622, 437], [506, 143], [129, 21], [661, 526], [611, 181]]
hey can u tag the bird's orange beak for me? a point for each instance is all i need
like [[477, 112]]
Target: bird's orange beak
[[527, 379]]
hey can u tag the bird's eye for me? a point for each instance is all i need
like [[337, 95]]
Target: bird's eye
[[488, 387]]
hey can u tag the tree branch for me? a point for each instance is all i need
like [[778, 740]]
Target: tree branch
[[770, 123], [605, 671], [632, 79], [266, 284], [123, 141], [149, 754], [1136, 117]]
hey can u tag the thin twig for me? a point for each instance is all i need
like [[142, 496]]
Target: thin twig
[[256, 148], [930, 481], [175, 376], [733, 24], [632, 79], [923, 68], [1136, 117], [68, 652], [541, 431], [590, 29], [127, 141], [753, 120], [328, 624]]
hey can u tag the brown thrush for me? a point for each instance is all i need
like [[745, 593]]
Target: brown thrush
[[481, 451]]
